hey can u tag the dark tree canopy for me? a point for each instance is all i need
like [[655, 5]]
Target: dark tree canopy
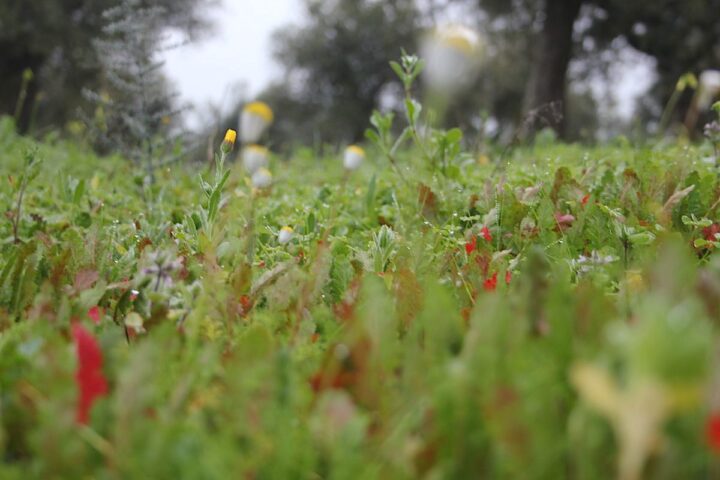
[[54, 39], [681, 35], [337, 66]]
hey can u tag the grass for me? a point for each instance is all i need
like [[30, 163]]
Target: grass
[[549, 314]]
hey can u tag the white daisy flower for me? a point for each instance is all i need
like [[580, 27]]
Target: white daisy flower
[[354, 157], [255, 118], [708, 87], [262, 178], [255, 157], [285, 235], [452, 57]]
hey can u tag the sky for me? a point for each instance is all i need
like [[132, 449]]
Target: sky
[[238, 54], [239, 50]]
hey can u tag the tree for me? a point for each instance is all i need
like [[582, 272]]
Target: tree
[[54, 39], [337, 66], [680, 35]]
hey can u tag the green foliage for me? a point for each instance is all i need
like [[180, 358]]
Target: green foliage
[[503, 320]]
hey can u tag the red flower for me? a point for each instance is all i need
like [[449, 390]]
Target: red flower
[[712, 432], [89, 375], [585, 199], [471, 245], [486, 233], [709, 232], [491, 283], [94, 314], [508, 277]]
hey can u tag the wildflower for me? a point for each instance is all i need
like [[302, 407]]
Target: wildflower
[[94, 314], [89, 376], [712, 432], [486, 233], [354, 157], [708, 87], [254, 158], [452, 55], [712, 233], [585, 199], [229, 141], [491, 283], [256, 117], [471, 245], [564, 221], [160, 266], [261, 178], [584, 264], [508, 277], [285, 235]]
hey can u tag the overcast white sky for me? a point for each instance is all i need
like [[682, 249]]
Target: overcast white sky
[[239, 51]]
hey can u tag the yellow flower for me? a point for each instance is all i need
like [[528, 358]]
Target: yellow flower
[[354, 156], [229, 141], [256, 117], [231, 136]]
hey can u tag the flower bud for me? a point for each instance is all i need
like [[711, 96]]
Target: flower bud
[[229, 141]]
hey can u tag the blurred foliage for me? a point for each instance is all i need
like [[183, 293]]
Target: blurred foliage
[[375, 344], [55, 40]]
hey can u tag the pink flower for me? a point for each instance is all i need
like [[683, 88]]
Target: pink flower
[[94, 314], [564, 220], [89, 376]]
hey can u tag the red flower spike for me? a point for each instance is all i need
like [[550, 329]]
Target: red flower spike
[[486, 234], [89, 376], [471, 245], [491, 283], [94, 314], [508, 277], [712, 432]]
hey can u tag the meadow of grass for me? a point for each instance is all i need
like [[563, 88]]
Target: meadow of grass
[[542, 313]]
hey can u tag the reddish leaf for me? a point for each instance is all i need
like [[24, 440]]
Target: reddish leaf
[[85, 279], [89, 376]]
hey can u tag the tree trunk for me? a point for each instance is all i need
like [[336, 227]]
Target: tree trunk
[[11, 74], [545, 98]]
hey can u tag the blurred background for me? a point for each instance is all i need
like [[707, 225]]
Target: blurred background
[[119, 71]]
